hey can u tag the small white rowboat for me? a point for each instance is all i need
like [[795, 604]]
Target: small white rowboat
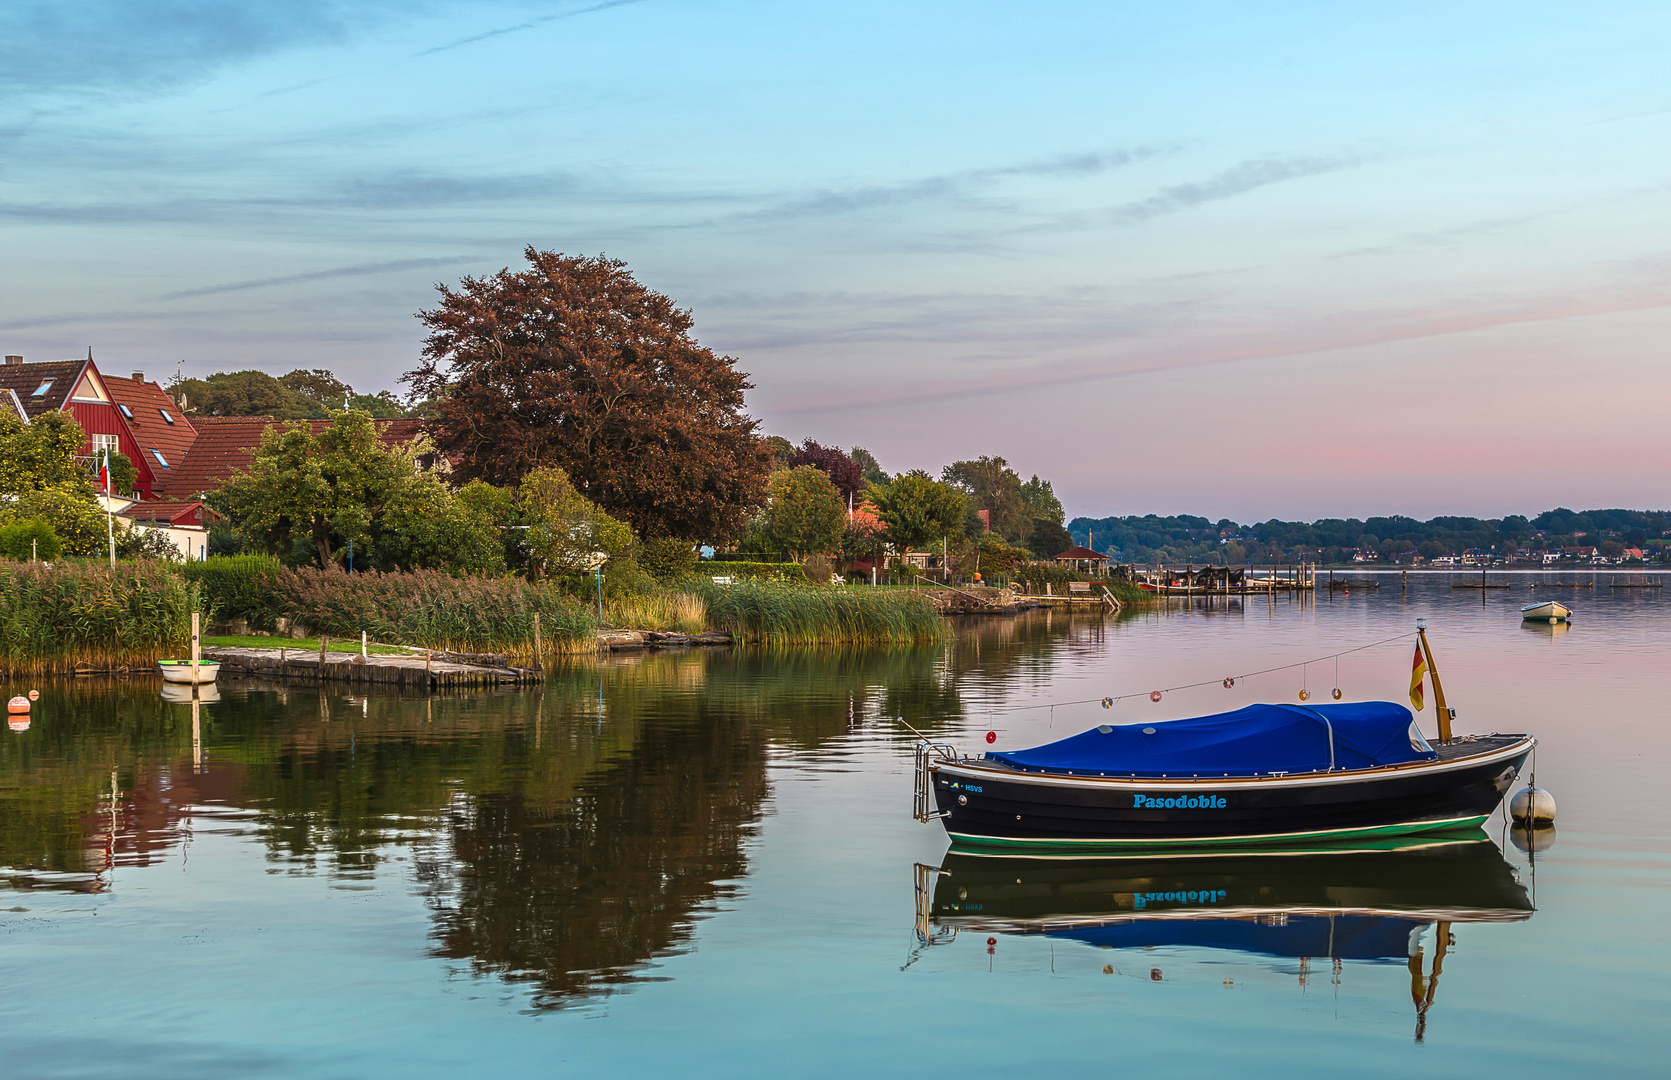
[[179, 671], [1547, 611]]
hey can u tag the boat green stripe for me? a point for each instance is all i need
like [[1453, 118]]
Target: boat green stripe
[[1404, 828]]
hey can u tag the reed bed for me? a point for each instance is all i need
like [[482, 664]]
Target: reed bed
[[434, 610], [683, 612], [774, 614], [85, 615]]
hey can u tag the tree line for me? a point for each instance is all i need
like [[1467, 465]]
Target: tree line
[[1185, 538]]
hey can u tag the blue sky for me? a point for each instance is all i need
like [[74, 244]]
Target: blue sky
[[1251, 260]]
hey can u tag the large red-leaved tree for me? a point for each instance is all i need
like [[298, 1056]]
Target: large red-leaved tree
[[573, 363]]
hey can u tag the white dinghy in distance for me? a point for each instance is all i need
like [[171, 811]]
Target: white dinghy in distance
[[193, 672], [1546, 611]]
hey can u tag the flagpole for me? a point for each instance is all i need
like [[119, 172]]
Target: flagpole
[[109, 522], [1444, 714]]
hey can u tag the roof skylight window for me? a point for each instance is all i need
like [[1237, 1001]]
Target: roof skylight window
[[160, 459], [127, 412], [40, 391], [165, 415]]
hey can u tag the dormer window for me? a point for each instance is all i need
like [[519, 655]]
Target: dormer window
[[160, 459], [127, 412], [165, 415], [40, 391]]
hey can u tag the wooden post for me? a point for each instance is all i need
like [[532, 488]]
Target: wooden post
[[324, 640], [362, 643], [539, 646], [196, 649], [1438, 690]]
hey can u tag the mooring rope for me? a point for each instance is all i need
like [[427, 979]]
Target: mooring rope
[[1111, 701]]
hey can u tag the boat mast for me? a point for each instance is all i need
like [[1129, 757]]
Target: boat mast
[[1438, 690]]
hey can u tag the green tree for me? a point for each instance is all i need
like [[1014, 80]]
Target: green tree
[[41, 454], [426, 525], [71, 512], [319, 386], [805, 512], [1040, 502], [245, 393], [576, 365], [331, 488], [869, 466], [917, 510], [565, 528], [994, 487]]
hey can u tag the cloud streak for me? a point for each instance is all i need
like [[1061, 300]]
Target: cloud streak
[[362, 270], [829, 203], [531, 24]]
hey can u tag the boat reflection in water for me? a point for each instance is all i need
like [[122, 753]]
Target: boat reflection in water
[[1368, 903]]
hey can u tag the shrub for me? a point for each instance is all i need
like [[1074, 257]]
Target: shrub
[[238, 587], [667, 560], [33, 538]]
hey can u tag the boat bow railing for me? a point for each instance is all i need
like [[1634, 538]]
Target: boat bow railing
[[922, 795]]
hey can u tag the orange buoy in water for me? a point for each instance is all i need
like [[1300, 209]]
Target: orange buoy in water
[[34, 695], [17, 705], [1154, 695]]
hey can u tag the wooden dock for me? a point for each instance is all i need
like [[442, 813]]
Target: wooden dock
[[434, 672]]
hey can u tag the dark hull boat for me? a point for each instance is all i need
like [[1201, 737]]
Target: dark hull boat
[[992, 802], [1283, 773]]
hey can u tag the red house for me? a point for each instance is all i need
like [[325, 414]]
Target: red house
[[68, 386]]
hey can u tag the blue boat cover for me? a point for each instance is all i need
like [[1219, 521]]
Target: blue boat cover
[[1258, 740]]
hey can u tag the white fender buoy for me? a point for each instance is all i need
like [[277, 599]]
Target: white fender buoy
[[17, 705], [1533, 841], [1533, 805]]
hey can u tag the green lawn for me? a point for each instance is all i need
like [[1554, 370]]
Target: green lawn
[[298, 645]]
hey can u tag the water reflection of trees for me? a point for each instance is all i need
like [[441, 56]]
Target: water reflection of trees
[[565, 837]]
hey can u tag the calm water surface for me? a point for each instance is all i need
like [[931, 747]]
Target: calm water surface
[[704, 864]]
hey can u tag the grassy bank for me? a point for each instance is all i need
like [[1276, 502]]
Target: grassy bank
[[434, 610], [69, 615], [771, 614]]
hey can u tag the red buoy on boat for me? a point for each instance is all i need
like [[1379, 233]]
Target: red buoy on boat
[[992, 736]]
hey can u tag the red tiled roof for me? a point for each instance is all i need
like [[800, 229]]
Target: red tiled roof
[[1080, 553], [226, 444], [174, 513], [26, 378], [150, 430]]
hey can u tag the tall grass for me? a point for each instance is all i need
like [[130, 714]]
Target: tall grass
[[435, 610], [75, 614], [684, 612], [773, 614]]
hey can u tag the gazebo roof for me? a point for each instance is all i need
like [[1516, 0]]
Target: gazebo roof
[[1077, 554]]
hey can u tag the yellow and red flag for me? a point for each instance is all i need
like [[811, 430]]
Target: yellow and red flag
[[1418, 671]]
